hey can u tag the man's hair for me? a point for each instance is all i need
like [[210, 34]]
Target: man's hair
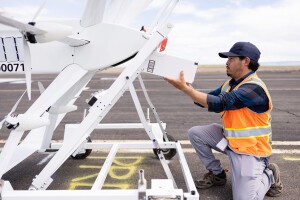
[[252, 65]]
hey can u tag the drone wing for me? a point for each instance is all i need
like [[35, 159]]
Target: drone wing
[[93, 13], [123, 12]]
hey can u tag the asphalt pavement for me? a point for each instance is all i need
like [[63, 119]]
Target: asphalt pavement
[[178, 112]]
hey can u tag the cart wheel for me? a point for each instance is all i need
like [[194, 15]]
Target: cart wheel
[[87, 152], [168, 153]]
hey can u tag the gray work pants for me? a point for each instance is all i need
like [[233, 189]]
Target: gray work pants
[[249, 176]]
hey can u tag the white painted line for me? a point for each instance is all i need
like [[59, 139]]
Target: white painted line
[[185, 150], [277, 143], [286, 143], [108, 79], [46, 159], [286, 151], [5, 80], [191, 150]]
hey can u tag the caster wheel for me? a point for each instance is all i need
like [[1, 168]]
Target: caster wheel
[[87, 152], [168, 153]]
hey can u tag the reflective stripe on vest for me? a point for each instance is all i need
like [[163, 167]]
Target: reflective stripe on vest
[[248, 132], [225, 86]]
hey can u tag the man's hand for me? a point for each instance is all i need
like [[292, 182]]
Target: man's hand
[[187, 88], [179, 83]]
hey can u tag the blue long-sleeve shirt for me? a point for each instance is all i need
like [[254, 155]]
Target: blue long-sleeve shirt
[[247, 95]]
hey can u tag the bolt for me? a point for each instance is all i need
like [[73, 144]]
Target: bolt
[[169, 25]]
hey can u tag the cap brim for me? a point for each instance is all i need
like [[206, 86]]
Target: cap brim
[[227, 54]]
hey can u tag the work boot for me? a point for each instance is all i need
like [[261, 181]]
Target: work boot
[[210, 180], [276, 188]]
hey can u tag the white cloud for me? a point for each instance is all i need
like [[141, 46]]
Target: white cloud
[[273, 28], [203, 28]]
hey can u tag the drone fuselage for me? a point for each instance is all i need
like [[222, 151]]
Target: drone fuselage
[[106, 45]]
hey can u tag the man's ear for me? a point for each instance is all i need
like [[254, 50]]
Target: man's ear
[[247, 61]]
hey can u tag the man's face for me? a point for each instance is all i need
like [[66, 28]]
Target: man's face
[[234, 67]]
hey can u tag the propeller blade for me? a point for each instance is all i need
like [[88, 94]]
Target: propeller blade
[[93, 13], [23, 27], [39, 11], [16, 104], [1, 123], [41, 87], [27, 64], [12, 110]]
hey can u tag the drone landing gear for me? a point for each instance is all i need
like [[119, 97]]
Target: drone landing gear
[[75, 139], [168, 153], [83, 153]]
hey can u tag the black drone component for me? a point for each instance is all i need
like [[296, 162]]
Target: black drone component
[[92, 101], [30, 37]]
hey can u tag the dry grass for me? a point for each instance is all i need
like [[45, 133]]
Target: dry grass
[[261, 68], [220, 68]]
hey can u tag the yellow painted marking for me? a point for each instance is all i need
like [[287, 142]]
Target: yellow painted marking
[[138, 159], [76, 185], [117, 161], [112, 172], [84, 177], [90, 167], [130, 171], [123, 168], [73, 186], [291, 158], [122, 186]]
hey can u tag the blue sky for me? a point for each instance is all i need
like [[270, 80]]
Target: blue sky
[[202, 28]]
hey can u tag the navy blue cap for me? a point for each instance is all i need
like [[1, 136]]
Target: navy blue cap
[[245, 49]]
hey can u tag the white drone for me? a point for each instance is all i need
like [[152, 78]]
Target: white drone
[[77, 49]]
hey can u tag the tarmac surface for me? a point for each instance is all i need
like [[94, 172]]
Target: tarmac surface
[[179, 113]]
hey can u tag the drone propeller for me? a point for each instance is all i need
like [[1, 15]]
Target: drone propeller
[[39, 11], [12, 110], [27, 30], [27, 64], [27, 57], [41, 87], [33, 32]]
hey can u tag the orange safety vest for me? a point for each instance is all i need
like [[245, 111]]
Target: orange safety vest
[[248, 132]]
